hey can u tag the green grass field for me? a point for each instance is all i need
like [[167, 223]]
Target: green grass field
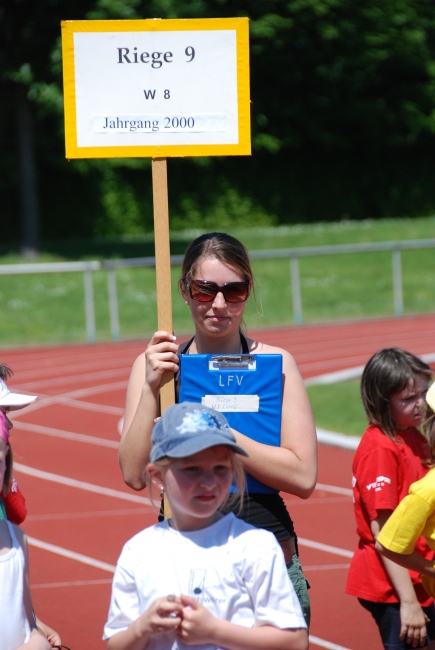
[[338, 407], [49, 308]]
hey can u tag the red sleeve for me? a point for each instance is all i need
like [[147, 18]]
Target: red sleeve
[[15, 504], [377, 477]]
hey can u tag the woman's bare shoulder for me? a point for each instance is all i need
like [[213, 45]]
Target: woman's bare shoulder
[[257, 347]]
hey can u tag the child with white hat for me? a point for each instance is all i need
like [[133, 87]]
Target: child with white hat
[[12, 502]]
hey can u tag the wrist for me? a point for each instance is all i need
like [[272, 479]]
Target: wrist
[[140, 629], [429, 569], [408, 599], [150, 390]]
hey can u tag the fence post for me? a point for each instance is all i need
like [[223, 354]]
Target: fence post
[[89, 306], [113, 303], [397, 281], [296, 291]]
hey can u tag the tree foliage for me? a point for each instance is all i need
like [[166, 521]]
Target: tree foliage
[[342, 118]]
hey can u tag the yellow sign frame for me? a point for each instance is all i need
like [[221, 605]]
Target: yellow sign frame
[[241, 27]]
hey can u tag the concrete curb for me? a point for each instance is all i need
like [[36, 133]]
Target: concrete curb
[[340, 439]]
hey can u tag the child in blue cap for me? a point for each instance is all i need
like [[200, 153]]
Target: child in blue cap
[[201, 578]]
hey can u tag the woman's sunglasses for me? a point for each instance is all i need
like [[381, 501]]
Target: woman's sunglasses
[[205, 291]]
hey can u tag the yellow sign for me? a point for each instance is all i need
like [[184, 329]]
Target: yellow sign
[[156, 88]]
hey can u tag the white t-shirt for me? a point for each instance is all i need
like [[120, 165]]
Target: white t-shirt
[[14, 625], [235, 570]]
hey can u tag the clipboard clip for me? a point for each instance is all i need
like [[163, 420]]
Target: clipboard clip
[[233, 361]]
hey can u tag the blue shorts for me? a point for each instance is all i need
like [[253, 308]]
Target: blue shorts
[[387, 617]]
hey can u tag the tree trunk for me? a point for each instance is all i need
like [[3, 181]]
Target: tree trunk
[[29, 212]]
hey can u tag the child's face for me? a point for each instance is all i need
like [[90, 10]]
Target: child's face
[[197, 486], [3, 451], [407, 406]]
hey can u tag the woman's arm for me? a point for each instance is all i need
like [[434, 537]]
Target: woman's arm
[[292, 467], [142, 406], [412, 618]]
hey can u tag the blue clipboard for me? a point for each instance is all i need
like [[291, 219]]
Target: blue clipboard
[[247, 388]]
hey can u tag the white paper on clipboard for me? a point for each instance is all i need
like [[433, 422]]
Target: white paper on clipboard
[[232, 403]]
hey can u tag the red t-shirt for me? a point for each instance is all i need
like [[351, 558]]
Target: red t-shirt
[[15, 504], [383, 471]]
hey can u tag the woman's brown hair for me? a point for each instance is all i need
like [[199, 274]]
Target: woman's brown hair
[[388, 372], [429, 430], [221, 246], [7, 479], [5, 371]]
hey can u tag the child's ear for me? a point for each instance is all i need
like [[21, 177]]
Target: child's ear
[[156, 475]]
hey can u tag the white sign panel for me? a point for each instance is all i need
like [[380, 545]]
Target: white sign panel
[[148, 91]]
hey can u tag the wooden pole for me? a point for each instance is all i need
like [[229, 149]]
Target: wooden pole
[[163, 276], [163, 267]]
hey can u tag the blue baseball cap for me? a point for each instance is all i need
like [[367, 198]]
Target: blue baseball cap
[[187, 428]]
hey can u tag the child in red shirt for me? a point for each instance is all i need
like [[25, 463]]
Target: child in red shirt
[[390, 456]]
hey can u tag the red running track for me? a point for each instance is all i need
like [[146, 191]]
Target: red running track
[[65, 448]]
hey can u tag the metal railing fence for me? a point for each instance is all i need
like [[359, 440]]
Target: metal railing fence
[[293, 254]]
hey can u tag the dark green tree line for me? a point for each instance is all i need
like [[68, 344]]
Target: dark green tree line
[[342, 119]]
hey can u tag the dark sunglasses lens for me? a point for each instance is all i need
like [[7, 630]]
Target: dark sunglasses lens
[[206, 291], [236, 292], [202, 291]]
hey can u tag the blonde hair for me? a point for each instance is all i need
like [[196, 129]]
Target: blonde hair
[[232, 498]]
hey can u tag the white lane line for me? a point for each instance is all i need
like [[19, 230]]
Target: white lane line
[[334, 377], [82, 485], [58, 550], [91, 406], [334, 488], [325, 547], [325, 644], [75, 379], [68, 435], [91, 514], [337, 439], [75, 583], [82, 392], [76, 367]]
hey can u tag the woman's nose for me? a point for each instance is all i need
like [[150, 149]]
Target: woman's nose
[[219, 300]]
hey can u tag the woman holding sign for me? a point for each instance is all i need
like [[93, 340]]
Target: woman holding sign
[[215, 282]]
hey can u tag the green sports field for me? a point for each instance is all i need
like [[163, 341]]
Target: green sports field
[[49, 308]]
